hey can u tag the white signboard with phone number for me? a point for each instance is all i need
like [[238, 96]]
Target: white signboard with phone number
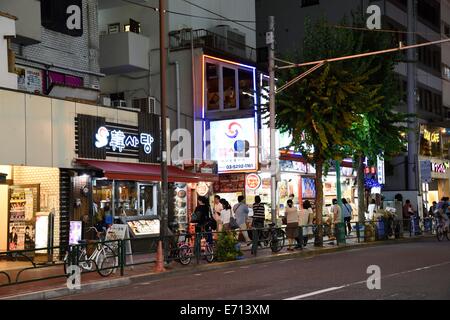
[[234, 145]]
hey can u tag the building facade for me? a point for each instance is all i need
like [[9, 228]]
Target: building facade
[[431, 81]]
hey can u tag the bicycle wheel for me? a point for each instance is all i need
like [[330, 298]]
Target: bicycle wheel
[[209, 253], [107, 262], [184, 254], [277, 243]]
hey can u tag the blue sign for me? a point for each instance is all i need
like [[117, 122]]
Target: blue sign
[[425, 170]]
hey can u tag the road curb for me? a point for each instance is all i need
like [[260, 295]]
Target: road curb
[[134, 279]]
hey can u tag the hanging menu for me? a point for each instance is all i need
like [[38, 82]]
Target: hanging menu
[[181, 201], [22, 207]]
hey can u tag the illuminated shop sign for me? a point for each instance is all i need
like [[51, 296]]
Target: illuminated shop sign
[[440, 167], [118, 140], [234, 145], [433, 137], [253, 181]]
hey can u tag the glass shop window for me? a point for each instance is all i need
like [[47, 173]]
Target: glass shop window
[[102, 197], [125, 198], [245, 89]]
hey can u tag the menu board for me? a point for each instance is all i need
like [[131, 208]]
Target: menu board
[[180, 201], [230, 183], [144, 227], [22, 207]]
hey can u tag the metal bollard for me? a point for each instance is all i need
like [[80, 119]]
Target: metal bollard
[[123, 257], [255, 241], [198, 238], [358, 232], [300, 237]]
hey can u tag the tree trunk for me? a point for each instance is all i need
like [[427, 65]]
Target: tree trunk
[[361, 189], [318, 241]]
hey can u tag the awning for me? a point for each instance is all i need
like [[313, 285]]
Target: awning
[[144, 172]]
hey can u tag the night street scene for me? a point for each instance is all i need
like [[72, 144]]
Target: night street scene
[[229, 156]]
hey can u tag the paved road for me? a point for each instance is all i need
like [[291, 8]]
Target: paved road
[[417, 270]]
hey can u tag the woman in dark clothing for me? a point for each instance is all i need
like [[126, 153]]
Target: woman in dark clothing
[[202, 212]]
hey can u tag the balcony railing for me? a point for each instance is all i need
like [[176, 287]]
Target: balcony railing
[[183, 39]]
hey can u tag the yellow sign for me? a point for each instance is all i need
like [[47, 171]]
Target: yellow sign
[[432, 137]]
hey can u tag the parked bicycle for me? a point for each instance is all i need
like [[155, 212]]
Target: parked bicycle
[[104, 258], [273, 237], [180, 250], [441, 229]]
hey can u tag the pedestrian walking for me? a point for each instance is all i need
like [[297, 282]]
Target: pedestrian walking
[[218, 207], [408, 213], [292, 217], [240, 210], [347, 216]]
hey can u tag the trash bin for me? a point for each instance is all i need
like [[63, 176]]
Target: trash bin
[[380, 230]]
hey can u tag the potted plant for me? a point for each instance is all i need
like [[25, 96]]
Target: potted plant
[[228, 248]]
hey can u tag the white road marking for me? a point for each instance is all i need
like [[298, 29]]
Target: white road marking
[[314, 293], [229, 272], [197, 274], [244, 267]]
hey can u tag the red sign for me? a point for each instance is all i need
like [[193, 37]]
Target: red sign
[[253, 181]]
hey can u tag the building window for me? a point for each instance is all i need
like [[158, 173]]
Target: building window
[[307, 3], [446, 30], [246, 93], [133, 26], [446, 72], [228, 87], [64, 79], [113, 28], [212, 85]]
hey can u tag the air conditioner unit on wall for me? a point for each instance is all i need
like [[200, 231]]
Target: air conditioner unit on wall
[[153, 107], [119, 104]]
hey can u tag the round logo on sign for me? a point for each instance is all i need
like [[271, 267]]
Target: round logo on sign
[[202, 189], [253, 181]]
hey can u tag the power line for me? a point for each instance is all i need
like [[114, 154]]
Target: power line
[[189, 15], [387, 30], [223, 17]]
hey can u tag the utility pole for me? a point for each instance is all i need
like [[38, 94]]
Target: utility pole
[[159, 267], [270, 41], [412, 133]]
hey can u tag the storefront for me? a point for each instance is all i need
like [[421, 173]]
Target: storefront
[[29, 208], [435, 163]]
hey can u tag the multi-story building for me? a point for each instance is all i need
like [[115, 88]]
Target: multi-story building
[[211, 75], [431, 66], [55, 50]]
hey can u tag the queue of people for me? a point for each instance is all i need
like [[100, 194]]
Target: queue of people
[[221, 216]]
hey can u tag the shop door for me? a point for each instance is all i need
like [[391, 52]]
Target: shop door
[[147, 198]]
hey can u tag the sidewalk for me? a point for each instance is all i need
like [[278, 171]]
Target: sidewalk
[[56, 287]]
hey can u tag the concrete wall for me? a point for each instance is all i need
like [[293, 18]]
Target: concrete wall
[[7, 28], [28, 12], [40, 131]]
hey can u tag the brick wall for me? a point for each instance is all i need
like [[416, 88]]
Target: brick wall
[[76, 52], [48, 178]]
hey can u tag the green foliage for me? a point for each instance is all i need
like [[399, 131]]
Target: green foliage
[[226, 247]]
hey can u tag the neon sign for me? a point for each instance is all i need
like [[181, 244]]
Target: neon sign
[[118, 140], [433, 137]]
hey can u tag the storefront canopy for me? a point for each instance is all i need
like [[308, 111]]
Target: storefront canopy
[[144, 172]]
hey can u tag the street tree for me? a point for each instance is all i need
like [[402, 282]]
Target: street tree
[[319, 111]]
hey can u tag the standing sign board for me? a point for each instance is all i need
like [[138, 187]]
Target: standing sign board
[[425, 170], [120, 232]]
